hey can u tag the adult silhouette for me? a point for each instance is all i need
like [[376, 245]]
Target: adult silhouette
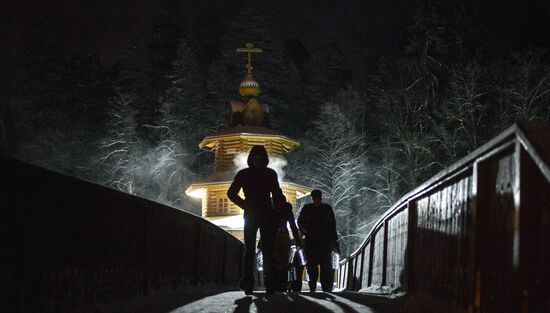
[[260, 185], [317, 223]]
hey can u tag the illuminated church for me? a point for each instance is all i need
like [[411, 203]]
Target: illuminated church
[[248, 127]]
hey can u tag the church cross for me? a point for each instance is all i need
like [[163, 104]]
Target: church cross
[[249, 49]]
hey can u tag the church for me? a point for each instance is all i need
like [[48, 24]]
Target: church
[[248, 126]]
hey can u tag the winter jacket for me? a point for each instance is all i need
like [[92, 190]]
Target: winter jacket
[[259, 184], [318, 224]]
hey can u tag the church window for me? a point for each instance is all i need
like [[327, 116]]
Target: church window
[[223, 205]]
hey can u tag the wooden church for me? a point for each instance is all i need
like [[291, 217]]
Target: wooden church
[[248, 127]]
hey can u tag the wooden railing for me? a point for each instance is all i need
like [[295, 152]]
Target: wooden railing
[[68, 243], [475, 237]]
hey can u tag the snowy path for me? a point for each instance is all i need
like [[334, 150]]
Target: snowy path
[[208, 301], [237, 302]]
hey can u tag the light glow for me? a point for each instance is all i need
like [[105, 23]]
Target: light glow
[[275, 163], [196, 193]]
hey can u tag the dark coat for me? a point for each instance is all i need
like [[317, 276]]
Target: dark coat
[[318, 224], [259, 185]]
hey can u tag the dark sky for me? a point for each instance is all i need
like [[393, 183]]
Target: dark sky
[[105, 26], [363, 28], [108, 26]]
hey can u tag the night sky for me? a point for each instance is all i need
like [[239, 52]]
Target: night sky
[[363, 28], [105, 26]]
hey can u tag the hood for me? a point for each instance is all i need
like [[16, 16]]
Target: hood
[[258, 150]]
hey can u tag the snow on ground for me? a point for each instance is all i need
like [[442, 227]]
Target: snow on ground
[[237, 302], [212, 300]]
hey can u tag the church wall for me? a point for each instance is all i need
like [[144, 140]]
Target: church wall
[[216, 202], [228, 147]]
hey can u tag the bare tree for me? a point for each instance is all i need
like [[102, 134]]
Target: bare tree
[[335, 167], [384, 180], [170, 162], [121, 147], [405, 124], [529, 86], [461, 114], [182, 123]]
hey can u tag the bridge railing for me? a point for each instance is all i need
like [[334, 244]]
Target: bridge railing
[[475, 237], [68, 243]]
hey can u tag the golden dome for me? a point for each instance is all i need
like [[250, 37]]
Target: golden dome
[[253, 115], [249, 87]]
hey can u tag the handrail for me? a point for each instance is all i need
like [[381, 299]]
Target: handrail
[[72, 243], [514, 130], [450, 209]]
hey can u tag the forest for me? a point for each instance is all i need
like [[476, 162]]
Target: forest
[[375, 119]]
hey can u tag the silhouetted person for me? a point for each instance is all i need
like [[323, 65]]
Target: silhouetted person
[[317, 223], [259, 184], [281, 254]]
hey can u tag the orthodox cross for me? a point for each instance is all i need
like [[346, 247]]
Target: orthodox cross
[[249, 49]]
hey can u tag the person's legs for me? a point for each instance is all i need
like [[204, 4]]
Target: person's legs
[[312, 263], [298, 282], [247, 281], [267, 238], [327, 273], [313, 273], [296, 286]]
